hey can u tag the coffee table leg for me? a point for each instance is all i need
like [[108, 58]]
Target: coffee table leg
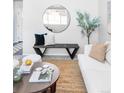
[[53, 88], [44, 91]]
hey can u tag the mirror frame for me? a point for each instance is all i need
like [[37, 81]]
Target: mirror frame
[[69, 18]]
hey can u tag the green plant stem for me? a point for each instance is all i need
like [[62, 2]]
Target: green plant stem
[[88, 37]]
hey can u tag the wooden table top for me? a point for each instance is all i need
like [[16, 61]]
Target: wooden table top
[[57, 46], [25, 86]]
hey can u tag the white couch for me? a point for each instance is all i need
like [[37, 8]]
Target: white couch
[[97, 75]]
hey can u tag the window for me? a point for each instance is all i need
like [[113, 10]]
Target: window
[[55, 17]]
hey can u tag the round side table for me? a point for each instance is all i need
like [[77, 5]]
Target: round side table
[[28, 87]]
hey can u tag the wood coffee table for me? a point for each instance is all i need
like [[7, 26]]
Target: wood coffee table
[[25, 86]]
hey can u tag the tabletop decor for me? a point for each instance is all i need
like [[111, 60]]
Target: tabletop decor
[[42, 74], [17, 77]]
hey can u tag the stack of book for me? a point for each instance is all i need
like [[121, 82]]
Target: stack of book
[[26, 69], [44, 75]]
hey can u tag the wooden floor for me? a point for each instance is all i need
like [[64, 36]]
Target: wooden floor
[[71, 80]]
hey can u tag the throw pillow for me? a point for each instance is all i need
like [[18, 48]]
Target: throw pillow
[[39, 39], [49, 39], [108, 53], [108, 56], [98, 52]]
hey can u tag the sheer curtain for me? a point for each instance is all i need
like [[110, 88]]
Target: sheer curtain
[[17, 20]]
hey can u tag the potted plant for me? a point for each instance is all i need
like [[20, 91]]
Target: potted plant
[[87, 24]]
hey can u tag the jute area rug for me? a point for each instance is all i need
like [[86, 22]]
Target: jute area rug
[[70, 80]]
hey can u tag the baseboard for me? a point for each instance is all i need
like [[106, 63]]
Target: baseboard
[[49, 54], [56, 57], [56, 54]]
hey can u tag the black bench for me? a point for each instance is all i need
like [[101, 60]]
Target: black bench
[[66, 46]]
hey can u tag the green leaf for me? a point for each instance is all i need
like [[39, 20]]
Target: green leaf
[[87, 23]]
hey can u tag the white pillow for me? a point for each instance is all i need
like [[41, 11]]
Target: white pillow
[[108, 52], [108, 43], [87, 49], [49, 39], [108, 56]]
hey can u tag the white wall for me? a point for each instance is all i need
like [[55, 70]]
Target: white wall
[[103, 35], [32, 23]]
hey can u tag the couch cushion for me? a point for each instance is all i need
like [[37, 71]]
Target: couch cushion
[[96, 74], [98, 81], [88, 62], [98, 52]]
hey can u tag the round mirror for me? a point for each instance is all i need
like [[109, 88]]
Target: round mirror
[[56, 18]]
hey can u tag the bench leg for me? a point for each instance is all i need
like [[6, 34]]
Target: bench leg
[[39, 52], [72, 55]]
